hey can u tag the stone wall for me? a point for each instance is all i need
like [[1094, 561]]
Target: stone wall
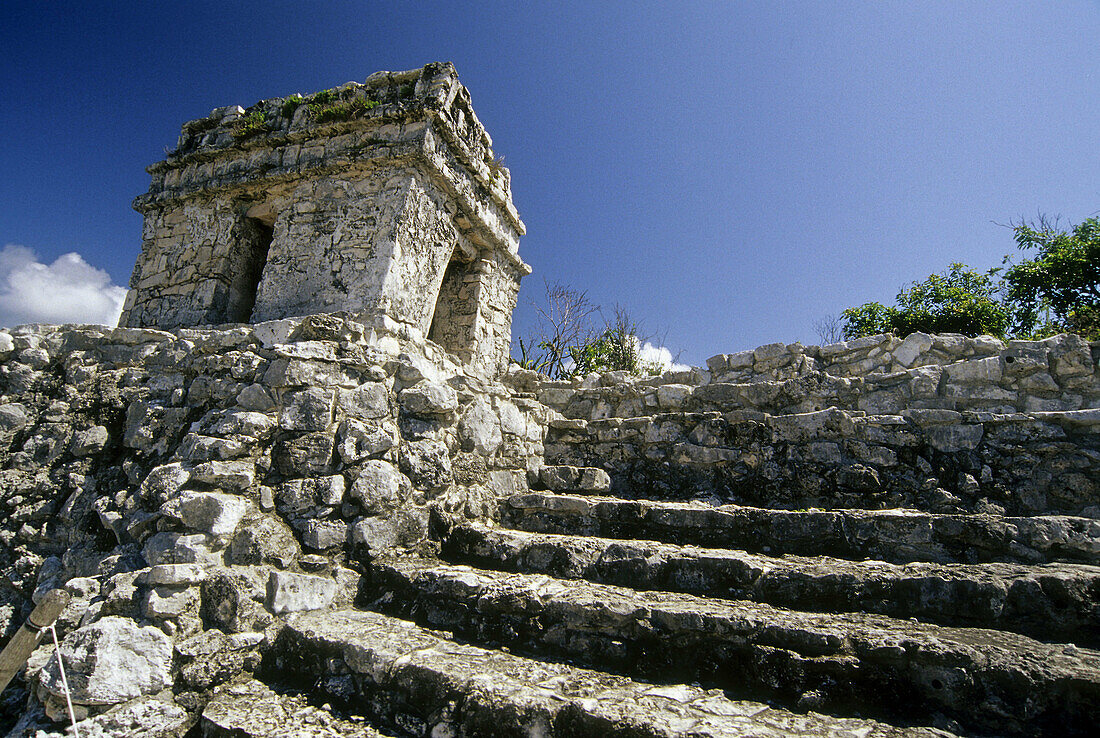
[[944, 423], [200, 479], [356, 199]]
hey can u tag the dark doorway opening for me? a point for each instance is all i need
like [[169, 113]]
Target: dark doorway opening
[[456, 307], [247, 268]]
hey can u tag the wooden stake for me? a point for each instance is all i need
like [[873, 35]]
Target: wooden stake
[[19, 648]]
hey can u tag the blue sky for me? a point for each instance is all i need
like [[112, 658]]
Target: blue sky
[[728, 172]]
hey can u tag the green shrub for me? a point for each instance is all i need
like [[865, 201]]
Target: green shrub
[[960, 300], [291, 104], [252, 124], [323, 109]]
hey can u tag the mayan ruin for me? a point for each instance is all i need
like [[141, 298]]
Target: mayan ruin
[[301, 491]]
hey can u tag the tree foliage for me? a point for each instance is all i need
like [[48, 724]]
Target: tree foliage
[[960, 300], [1058, 289]]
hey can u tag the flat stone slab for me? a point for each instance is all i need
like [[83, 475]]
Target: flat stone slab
[[988, 681], [431, 685], [890, 535], [1048, 601], [251, 709]]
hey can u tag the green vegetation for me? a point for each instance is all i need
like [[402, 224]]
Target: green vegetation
[[960, 300], [568, 346], [1056, 291], [252, 124], [291, 104], [1059, 289], [327, 106]]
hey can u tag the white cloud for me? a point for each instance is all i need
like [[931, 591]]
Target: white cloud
[[659, 356], [68, 291]]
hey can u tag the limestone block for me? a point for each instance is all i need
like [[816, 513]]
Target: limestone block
[[985, 344], [198, 448], [7, 346], [145, 716], [512, 421], [672, 396], [833, 350], [169, 547], [173, 575], [988, 370], [251, 424], [427, 463], [429, 398], [1038, 382], [380, 487], [951, 438], [290, 592], [368, 401], [321, 535], [304, 456], [164, 602], [231, 475], [911, 348], [1070, 356], [110, 661], [299, 495], [1066, 402], [263, 540], [308, 410], [163, 482], [924, 381], [380, 533], [302, 372], [214, 513], [231, 598], [89, 441], [358, 440], [13, 417], [479, 428], [255, 397]]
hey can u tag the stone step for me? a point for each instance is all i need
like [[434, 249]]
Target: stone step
[[871, 665], [897, 536], [424, 683], [1050, 601], [250, 709]]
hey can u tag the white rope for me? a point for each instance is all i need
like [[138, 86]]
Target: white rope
[[64, 681]]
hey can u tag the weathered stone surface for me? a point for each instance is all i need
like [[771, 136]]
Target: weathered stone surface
[[380, 488], [359, 440], [111, 661], [297, 496], [290, 592], [369, 401], [428, 398], [891, 535], [833, 656], [308, 410], [147, 717], [232, 475], [250, 709], [1048, 602], [89, 441], [493, 693], [427, 463], [214, 513]]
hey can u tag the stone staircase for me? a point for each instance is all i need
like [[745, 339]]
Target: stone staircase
[[588, 614]]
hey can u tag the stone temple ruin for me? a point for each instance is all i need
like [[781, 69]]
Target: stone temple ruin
[[375, 199], [299, 492]]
